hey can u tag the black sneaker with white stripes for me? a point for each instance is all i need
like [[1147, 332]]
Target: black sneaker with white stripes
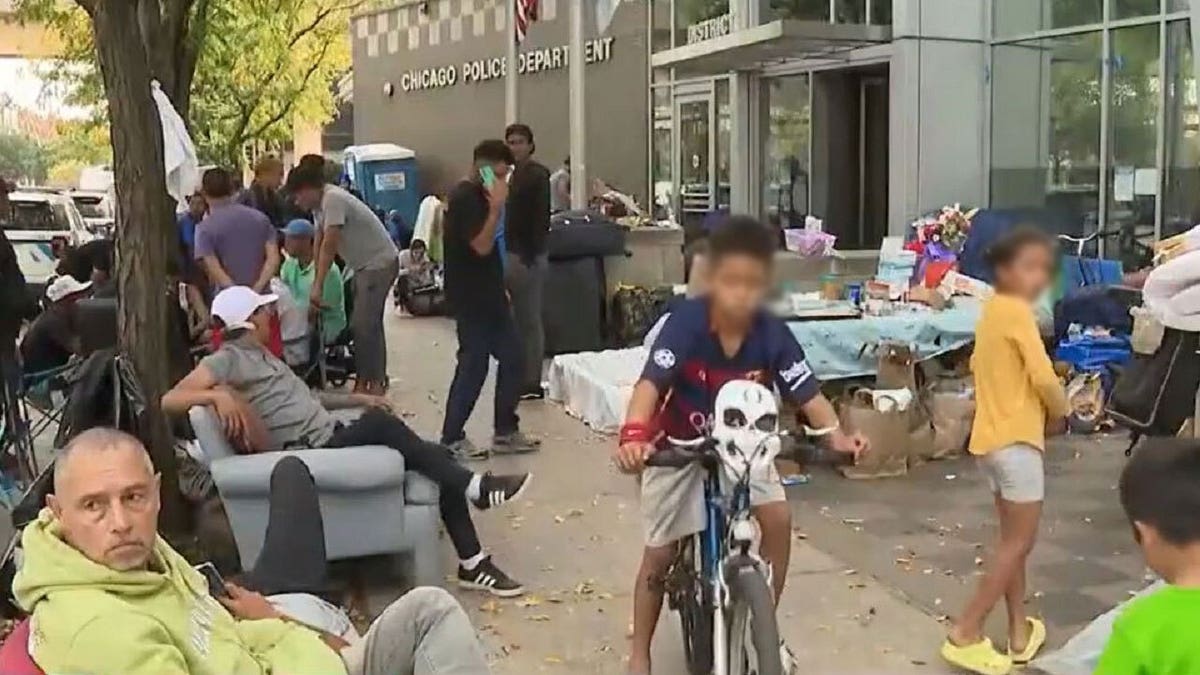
[[487, 577], [499, 490]]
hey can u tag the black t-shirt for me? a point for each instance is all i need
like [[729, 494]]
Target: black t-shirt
[[474, 283], [47, 343], [527, 214]]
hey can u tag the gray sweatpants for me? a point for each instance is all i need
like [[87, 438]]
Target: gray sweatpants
[[526, 284], [371, 288], [425, 632]]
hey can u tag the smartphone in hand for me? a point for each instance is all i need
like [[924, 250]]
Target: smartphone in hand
[[216, 584], [488, 175]]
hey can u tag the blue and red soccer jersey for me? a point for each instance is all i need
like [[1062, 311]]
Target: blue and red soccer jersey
[[689, 366]]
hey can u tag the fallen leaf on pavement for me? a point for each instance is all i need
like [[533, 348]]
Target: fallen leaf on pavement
[[491, 607], [529, 601], [552, 659], [538, 617], [852, 521]]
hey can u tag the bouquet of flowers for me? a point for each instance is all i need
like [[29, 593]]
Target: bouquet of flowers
[[939, 239]]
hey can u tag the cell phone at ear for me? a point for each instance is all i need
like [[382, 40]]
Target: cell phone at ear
[[216, 584], [488, 175]]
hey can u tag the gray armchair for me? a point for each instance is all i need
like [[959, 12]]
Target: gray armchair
[[369, 503]]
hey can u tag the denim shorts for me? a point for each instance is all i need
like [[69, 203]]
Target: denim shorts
[[1015, 472]]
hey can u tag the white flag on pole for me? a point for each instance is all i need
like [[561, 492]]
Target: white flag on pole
[[605, 9]]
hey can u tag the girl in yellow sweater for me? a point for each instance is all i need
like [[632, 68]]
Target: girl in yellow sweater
[[1018, 400]]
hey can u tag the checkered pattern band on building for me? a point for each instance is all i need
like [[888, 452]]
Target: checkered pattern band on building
[[414, 25]]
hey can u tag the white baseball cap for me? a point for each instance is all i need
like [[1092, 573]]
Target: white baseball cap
[[234, 305], [66, 286]]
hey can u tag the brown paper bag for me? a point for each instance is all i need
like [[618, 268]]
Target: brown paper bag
[[920, 433], [889, 436], [897, 367], [952, 413]]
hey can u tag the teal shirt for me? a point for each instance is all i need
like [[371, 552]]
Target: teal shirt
[[299, 280], [1155, 635]]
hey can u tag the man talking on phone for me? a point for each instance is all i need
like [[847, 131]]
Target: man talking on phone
[[480, 306]]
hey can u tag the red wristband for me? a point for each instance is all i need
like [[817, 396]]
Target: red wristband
[[637, 432]]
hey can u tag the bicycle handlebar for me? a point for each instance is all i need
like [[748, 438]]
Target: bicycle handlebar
[[679, 454]]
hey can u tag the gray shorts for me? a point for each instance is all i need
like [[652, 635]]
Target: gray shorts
[[673, 501], [1015, 472]]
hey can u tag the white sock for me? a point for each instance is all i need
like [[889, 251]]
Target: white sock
[[474, 486], [472, 562]]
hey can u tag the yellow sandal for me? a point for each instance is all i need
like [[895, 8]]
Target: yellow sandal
[[981, 658], [1037, 638]]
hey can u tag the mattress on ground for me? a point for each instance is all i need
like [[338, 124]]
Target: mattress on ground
[[595, 386]]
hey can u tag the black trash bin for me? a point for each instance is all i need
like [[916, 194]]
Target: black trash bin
[[573, 306]]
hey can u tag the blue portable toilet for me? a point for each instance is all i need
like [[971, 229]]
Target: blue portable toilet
[[386, 175]]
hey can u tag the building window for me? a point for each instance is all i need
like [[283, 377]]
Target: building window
[[724, 156], [660, 25], [692, 12], [786, 106], [1132, 171], [1025, 17], [1126, 9], [1046, 127], [881, 12], [809, 10], [851, 11], [661, 153], [1181, 185]]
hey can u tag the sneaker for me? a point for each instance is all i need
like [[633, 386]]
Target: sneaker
[[465, 451], [499, 490], [537, 393], [515, 443], [787, 659], [487, 577]]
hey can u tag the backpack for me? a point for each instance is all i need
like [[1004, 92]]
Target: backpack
[[1155, 393]]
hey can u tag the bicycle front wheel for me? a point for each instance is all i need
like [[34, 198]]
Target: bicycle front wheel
[[753, 632]]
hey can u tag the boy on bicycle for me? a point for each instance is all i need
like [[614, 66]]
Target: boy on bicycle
[[706, 342]]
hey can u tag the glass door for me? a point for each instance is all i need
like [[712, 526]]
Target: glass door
[[697, 177]]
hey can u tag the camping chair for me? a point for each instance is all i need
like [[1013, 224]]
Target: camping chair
[[45, 393]]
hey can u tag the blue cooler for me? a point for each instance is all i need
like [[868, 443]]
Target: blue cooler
[[386, 175]]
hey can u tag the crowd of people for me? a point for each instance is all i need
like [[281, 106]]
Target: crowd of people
[[93, 556]]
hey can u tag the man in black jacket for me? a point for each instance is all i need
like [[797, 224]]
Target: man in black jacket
[[527, 220]]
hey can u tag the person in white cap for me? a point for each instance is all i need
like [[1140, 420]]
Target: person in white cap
[[54, 336], [265, 406]]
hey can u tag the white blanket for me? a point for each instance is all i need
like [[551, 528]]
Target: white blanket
[[595, 386]]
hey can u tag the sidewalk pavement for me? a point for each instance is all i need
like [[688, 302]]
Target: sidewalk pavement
[[575, 541], [928, 534]]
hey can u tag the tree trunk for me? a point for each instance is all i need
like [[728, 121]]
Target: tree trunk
[[145, 229]]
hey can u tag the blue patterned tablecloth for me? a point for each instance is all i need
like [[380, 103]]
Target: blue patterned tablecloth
[[835, 349]]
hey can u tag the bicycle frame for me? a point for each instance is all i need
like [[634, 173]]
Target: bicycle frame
[[714, 550]]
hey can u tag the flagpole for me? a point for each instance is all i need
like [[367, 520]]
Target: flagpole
[[576, 63], [511, 104]]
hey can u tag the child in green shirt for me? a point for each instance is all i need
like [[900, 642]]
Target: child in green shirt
[[1156, 634]]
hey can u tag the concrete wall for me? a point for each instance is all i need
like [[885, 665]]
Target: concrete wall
[[939, 106], [442, 124]]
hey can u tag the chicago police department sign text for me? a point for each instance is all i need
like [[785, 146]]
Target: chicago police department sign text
[[482, 70]]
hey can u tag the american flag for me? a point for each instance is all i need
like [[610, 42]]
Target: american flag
[[526, 13]]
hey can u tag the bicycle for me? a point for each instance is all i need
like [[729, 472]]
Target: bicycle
[[719, 586]]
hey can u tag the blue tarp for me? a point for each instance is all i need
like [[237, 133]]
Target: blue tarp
[[835, 349]]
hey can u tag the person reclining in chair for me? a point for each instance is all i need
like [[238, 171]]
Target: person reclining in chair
[[110, 596], [263, 405], [53, 337]]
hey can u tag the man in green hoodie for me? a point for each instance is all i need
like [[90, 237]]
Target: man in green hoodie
[[109, 596]]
